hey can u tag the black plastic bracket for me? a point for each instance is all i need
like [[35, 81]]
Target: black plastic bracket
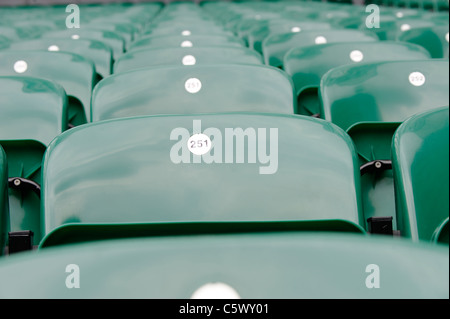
[[375, 166], [22, 184], [20, 241], [380, 225]]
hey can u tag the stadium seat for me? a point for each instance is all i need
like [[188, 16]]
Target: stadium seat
[[369, 102], [248, 266], [421, 173], [263, 29], [194, 90], [176, 41], [73, 72], [124, 181], [4, 204], [308, 64], [275, 47], [185, 56], [97, 51], [434, 39], [32, 113], [112, 39]]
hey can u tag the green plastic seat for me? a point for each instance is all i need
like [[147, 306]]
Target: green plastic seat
[[4, 203], [276, 46], [32, 113], [97, 51], [248, 266], [112, 39], [392, 27], [186, 56], [124, 182], [263, 29], [307, 65], [4, 42], [370, 101], [434, 39], [194, 90], [421, 171], [180, 28], [73, 72], [125, 29], [186, 41]]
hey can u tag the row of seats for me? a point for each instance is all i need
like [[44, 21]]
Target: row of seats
[[314, 122]]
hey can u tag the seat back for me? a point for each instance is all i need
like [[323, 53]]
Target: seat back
[[307, 65], [185, 56], [421, 170], [32, 113], [295, 265], [176, 41], [73, 72], [193, 90], [435, 39], [370, 101], [4, 204], [123, 182], [275, 46], [97, 51]]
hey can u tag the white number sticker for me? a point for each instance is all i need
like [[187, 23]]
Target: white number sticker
[[53, 48], [405, 27], [321, 40], [187, 44], [356, 56], [199, 144], [20, 66], [193, 85], [189, 60], [417, 79]]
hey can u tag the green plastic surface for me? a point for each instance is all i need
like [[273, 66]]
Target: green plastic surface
[[175, 41], [106, 186], [434, 39], [112, 39], [97, 51], [262, 30], [369, 102], [261, 266], [4, 203], [162, 90], [73, 72], [32, 113], [175, 56], [307, 65], [276, 46], [421, 170]]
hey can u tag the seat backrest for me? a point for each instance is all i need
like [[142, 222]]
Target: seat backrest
[[97, 51], [32, 112], [193, 90], [435, 39], [383, 91], [185, 56], [308, 64], [176, 41], [123, 182], [274, 47], [249, 266], [73, 72], [263, 29], [421, 170], [4, 204], [112, 39]]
